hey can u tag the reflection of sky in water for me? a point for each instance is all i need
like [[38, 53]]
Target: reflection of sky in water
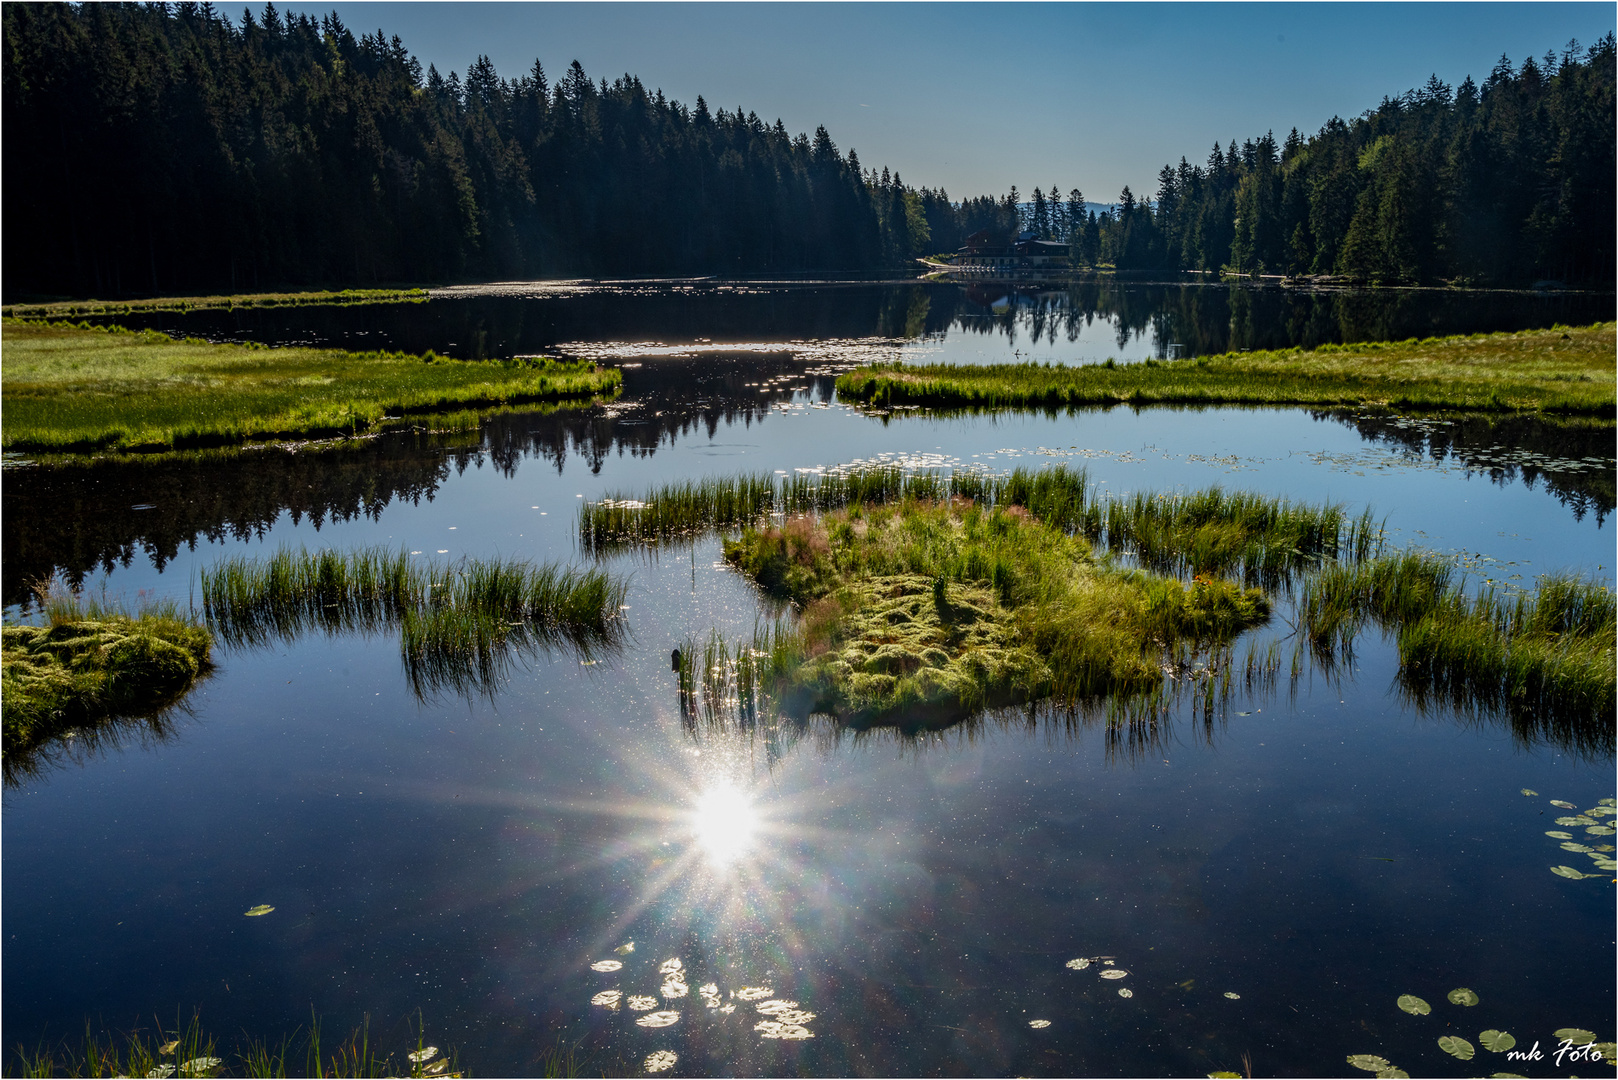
[[1270, 882]]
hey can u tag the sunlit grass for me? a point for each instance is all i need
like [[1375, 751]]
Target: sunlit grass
[[63, 309], [1567, 370], [74, 388]]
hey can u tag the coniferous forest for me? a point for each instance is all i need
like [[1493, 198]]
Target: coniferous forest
[[169, 149]]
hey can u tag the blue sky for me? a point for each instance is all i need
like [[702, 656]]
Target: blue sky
[[979, 97]]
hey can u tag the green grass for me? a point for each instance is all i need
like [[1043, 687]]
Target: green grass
[[461, 625], [90, 665], [73, 388], [64, 309], [168, 1052], [1544, 659], [1566, 370], [933, 610]]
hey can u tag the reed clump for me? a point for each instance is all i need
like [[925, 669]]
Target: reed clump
[[936, 609], [461, 624], [1545, 658], [92, 664], [1566, 370], [74, 388]]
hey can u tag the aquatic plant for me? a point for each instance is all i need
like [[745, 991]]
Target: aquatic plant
[[1568, 370], [461, 624], [91, 664], [74, 387]]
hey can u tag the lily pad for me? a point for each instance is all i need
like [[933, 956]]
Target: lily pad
[[1114, 973], [1599, 811], [1462, 996], [609, 998], [674, 988], [770, 1008], [753, 993], [258, 909], [670, 967], [1226, 1075], [1507, 1076], [1567, 872], [1579, 820], [1038, 1024], [1079, 965], [1600, 830], [624, 950], [1497, 1042], [1368, 1062], [426, 1053], [1608, 1051], [642, 1002], [1557, 834], [1580, 848], [658, 1019], [1125, 992], [1232, 995], [1608, 802], [1413, 1005], [1455, 1046], [1529, 792], [661, 1060], [161, 1072], [198, 1065], [169, 1047], [1576, 1036], [607, 965], [1564, 805], [1393, 1072], [1604, 863]]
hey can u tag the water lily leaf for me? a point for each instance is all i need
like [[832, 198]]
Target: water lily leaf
[[1507, 1076], [1114, 973], [1576, 1036], [661, 1060], [658, 1019], [426, 1053], [1604, 864], [1599, 811], [1462, 996], [1600, 830], [753, 993], [169, 1047], [1224, 1076], [1580, 820], [1368, 1062], [1567, 872], [1078, 965], [1456, 1046], [1125, 992], [1564, 805], [1580, 848], [259, 909], [437, 1067], [1529, 792], [1037, 1024], [609, 998], [1557, 834], [1608, 1051], [1413, 1005], [670, 967], [606, 965], [1608, 802], [624, 950], [1232, 995], [1393, 1072], [642, 1002], [1496, 1042], [770, 1008], [674, 988], [161, 1072], [198, 1065]]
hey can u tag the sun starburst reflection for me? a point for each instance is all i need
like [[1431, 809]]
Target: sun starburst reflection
[[725, 822]]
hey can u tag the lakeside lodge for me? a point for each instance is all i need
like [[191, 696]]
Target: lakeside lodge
[[1023, 253]]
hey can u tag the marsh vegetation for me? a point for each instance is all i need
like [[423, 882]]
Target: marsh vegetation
[[77, 388], [74, 309]]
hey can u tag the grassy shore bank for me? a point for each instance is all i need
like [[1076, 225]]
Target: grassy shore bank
[[1564, 370], [89, 665], [73, 388], [64, 309]]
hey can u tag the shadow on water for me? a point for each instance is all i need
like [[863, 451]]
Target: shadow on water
[[82, 745]]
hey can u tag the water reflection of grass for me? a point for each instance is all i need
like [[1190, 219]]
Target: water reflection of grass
[[92, 672], [341, 298], [461, 624], [73, 388], [1566, 370]]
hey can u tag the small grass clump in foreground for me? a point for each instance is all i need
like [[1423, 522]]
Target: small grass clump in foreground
[[64, 309], [1568, 370], [936, 609], [1545, 659], [77, 388], [89, 665], [460, 624]]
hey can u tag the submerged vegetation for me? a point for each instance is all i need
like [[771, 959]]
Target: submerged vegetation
[[1564, 370], [64, 309], [461, 625], [76, 388], [91, 665]]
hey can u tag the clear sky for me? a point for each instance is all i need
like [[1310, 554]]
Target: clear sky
[[978, 97]]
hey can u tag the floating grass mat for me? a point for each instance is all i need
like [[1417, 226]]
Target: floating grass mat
[[76, 388], [935, 610], [62, 309], [89, 666], [1257, 538], [461, 624], [1545, 659], [1567, 370]]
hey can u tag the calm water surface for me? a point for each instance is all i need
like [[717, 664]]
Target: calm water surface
[[1316, 850]]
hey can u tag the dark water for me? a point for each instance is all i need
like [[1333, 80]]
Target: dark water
[[1317, 849]]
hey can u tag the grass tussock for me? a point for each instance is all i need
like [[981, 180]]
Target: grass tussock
[[1566, 370], [461, 624], [1546, 659], [78, 309], [90, 665], [941, 608], [79, 388]]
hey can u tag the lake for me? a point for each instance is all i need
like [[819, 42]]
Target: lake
[[1271, 875]]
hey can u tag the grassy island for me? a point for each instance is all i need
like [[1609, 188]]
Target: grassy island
[[88, 665], [77, 388], [1563, 370]]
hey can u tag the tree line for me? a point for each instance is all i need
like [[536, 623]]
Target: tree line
[[166, 148]]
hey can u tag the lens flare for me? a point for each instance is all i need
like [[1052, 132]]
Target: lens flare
[[725, 823]]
